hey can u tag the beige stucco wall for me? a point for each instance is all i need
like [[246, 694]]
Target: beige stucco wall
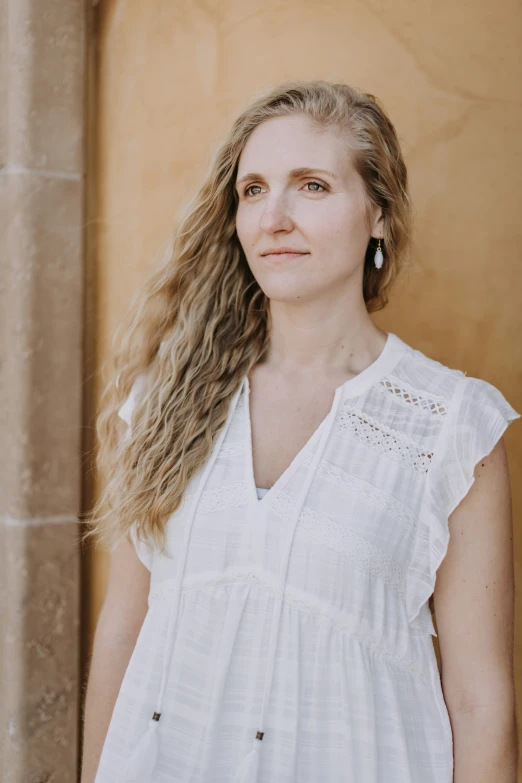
[[171, 78], [42, 72]]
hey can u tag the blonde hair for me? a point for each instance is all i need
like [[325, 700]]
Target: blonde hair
[[202, 321]]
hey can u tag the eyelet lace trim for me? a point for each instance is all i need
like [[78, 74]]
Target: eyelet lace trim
[[362, 489], [328, 532], [381, 438], [299, 600], [221, 498], [406, 394]]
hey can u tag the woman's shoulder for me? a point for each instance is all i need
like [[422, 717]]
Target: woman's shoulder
[[441, 387], [463, 418]]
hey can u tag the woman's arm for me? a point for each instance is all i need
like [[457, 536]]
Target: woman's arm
[[118, 628], [474, 608]]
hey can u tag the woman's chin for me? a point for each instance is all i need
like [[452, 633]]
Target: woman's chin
[[288, 291]]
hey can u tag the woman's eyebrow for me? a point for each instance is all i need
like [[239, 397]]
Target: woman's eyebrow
[[293, 174]]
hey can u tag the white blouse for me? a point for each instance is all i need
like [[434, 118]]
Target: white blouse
[[288, 636]]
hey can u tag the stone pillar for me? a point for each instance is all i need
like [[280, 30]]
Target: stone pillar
[[42, 44]]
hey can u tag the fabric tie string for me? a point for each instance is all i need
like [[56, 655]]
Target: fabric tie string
[[248, 769]]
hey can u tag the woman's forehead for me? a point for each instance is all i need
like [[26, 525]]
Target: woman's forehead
[[290, 145]]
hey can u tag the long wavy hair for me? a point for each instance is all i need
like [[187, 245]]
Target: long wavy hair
[[201, 322]]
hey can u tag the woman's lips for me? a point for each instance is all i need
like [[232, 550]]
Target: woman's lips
[[283, 256]]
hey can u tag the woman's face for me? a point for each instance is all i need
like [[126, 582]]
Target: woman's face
[[286, 201]]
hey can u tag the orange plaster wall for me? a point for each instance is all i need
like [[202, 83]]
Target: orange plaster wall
[[171, 76]]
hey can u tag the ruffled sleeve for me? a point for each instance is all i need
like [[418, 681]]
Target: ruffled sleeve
[[126, 410], [477, 417], [144, 550]]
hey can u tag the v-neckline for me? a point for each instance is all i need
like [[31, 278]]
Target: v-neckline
[[285, 475], [394, 348]]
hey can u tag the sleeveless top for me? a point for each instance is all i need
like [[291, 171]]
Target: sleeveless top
[[289, 637]]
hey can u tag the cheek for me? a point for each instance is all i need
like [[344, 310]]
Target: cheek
[[245, 224], [328, 227], [344, 227]]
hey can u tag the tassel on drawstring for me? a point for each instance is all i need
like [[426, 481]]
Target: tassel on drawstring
[[144, 757], [247, 770]]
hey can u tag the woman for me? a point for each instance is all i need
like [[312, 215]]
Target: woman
[[287, 478]]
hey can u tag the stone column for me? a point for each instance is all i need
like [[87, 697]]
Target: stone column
[[42, 45]]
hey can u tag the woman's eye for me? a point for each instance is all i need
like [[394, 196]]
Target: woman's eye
[[316, 183], [246, 191]]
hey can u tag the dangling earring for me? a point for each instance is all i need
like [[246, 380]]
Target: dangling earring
[[378, 258]]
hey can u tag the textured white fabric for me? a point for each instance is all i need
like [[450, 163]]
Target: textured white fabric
[[353, 692]]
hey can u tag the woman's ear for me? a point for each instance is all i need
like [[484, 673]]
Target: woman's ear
[[378, 223]]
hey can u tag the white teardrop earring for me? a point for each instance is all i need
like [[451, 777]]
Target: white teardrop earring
[[378, 258]]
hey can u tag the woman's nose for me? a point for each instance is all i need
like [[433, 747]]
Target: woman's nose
[[276, 216]]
